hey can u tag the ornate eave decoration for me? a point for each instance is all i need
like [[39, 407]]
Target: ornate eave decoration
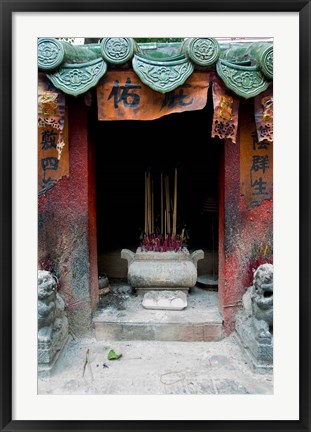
[[245, 81], [202, 51], [117, 50], [246, 69], [255, 54], [162, 76], [266, 61], [75, 79], [50, 54]]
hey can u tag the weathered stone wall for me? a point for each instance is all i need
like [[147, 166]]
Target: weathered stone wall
[[242, 229], [67, 224]]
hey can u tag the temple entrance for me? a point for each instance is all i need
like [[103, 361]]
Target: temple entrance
[[134, 148], [120, 185], [149, 229]]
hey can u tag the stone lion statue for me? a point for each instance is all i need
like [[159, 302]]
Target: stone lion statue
[[46, 299], [262, 301], [52, 320]]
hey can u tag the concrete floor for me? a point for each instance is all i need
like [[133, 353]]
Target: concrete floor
[[155, 368]]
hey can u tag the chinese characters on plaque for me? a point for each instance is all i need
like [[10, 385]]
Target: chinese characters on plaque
[[256, 162], [122, 96], [53, 151]]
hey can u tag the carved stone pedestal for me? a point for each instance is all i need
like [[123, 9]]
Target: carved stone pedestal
[[258, 352], [165, 300]]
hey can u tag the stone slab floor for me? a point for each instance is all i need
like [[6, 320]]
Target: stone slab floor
[[151, 367], [121, 316], [123, 306]]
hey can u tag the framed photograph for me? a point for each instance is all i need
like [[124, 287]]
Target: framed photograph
[[155, 238]]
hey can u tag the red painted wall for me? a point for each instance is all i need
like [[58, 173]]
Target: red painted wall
[[67, 223], [242, 231]]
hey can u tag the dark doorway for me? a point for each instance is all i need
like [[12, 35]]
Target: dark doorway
[[124, 150]]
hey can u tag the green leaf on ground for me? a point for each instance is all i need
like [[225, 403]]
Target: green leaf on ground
[[113, 356]]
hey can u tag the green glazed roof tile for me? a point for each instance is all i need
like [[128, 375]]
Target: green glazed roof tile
[[50, 54], [245, 68], [162, 76], [75, 79], [202, 51], [117, 50], [245, 81]]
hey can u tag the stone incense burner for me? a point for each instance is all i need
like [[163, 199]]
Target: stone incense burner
[[162, 270]]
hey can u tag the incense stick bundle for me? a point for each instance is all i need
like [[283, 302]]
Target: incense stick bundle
[[175, 205], [146, 203], [152, 209], [149, 203], [161, 203], [168, 212]]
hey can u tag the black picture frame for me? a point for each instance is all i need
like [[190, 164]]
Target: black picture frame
[[7, 10]]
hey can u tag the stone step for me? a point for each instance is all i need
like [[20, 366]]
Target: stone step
[[121, 316], [177, 332]]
